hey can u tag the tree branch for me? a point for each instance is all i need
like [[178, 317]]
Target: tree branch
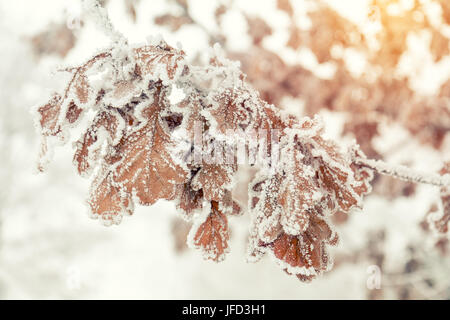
[[404, 173], [101, 17]]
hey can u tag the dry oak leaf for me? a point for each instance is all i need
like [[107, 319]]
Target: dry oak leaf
[[339, 179], [81, 87], [193, 121], [147, 166], [267, 210], [335, 181], [297, 197], [189, 200], [88, 147], [306, 255], [151, 60], [107, 200], [52, 120], [49, 116], [215, 180], [212, 235], [231, 111]]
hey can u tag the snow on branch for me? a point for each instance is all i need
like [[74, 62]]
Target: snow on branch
[[404, 173], [100, 16]]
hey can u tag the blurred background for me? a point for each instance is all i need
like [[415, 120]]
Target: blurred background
[[376, 71]]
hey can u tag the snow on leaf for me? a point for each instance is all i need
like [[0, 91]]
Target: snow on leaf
[[211, 236], [299, 192], [231, 110], [214, 180], [147, 166], [161, 61], [265, 207], [346, 182], [190, 200], [107, 200], [49, 115], [81, 88], [335, 180], [73, 113], [85, 155], [305, 255]]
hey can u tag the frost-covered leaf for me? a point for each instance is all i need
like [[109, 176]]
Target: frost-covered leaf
[[214, 180], [49, 115], [108, 201], [211, 235], [298, 196], [305, 255], [232, 110], [160, 61], [266, 209], [81, 88], [105, 125], [147, 167], [189, 200]]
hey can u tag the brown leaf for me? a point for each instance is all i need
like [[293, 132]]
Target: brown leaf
[[214, 180], [212, 235], [108, 201], [81, 87], [299, 193], [84, 154], [334, 180], [267, 209], [190, 200], [49, 115], [149, 58], [73, 113], [305, 255], [147, 166], [231, 112]]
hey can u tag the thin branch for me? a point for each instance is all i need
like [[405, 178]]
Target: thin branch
[[100, 16], [404, 173]]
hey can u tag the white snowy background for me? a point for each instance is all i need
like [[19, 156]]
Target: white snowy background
[[49, 248]]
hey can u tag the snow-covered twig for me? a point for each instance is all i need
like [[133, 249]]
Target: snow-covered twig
[[119, 54], [93, 8], [404, 173]]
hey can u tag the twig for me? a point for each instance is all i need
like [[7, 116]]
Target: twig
[[100, 16], [404, 173]]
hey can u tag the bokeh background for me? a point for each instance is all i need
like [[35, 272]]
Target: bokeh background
[[376, 71]]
